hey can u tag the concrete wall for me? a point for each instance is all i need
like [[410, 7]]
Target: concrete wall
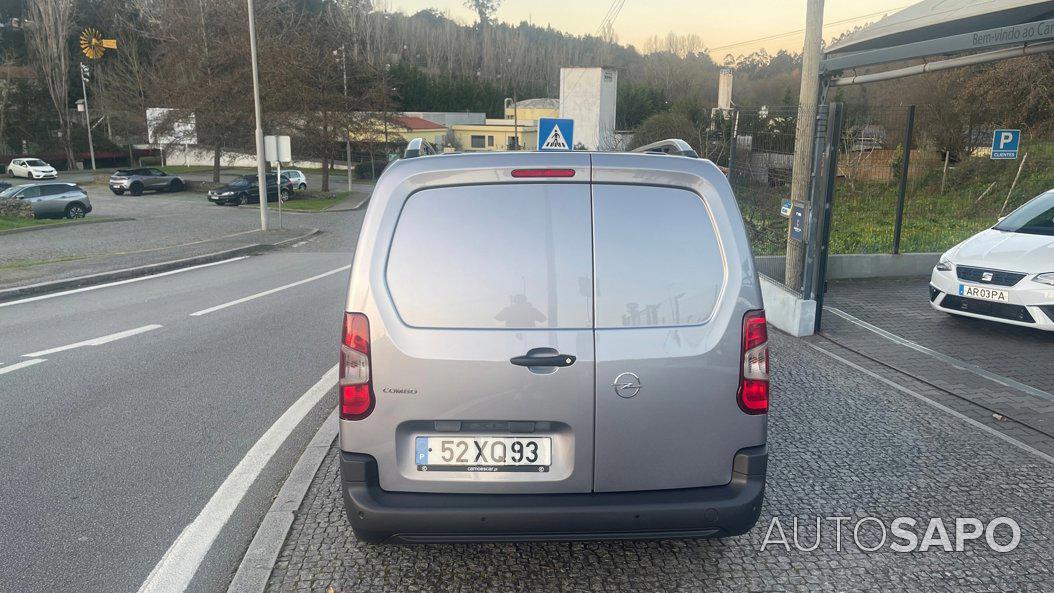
[[787, 311], [867, 265], [449, 118], [194, 156]]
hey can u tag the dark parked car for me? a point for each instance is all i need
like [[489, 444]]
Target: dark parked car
[[136, 181], [246, 190]]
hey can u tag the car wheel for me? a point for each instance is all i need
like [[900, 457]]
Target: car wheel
[[240, 201], [175, 185], [285, 195], [302, 186], [75, 210], [137, 189], [119, 192]]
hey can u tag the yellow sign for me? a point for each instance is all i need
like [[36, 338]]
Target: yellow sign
[[93, 45]]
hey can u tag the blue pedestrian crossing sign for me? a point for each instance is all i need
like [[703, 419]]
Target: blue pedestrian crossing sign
[[556, 134], [1005, 144]]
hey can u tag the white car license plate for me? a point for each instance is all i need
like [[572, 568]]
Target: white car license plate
[[984, 293], [479, 453]]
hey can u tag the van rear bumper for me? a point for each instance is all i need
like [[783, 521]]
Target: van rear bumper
[[410, 517]]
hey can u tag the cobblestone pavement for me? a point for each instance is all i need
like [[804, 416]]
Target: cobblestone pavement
[[901, 306], [841, 444]]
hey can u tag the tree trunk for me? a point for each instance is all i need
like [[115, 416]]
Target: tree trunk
[[216, 153], [325, 173]]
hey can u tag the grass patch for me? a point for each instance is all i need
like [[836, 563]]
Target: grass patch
[[7, 223], [28, 263]]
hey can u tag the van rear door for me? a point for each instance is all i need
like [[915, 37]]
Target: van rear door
[[668, 274], [486, 377]]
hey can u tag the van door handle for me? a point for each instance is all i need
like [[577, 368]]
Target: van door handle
[[544, 357]]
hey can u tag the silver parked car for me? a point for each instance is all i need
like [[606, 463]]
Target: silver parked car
[[51, 200], [136, 181], [553, 346]]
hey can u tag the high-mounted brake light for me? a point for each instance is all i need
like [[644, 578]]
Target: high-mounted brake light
[[543, 172], [356, 383], [754, 373]]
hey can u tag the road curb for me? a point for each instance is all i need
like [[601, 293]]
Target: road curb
[[255, 568], [10, 294], [62, 225]]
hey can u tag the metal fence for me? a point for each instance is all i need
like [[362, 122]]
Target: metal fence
[[756, 148], [948, 189]]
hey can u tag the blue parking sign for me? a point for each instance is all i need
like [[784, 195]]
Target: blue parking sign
[[1005, 144]]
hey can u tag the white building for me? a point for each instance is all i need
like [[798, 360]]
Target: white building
[[588, 95]]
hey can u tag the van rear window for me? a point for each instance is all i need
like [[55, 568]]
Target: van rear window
[[658, 262], [494, 257]]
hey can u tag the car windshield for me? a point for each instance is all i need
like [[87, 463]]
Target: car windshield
[[1035, 218], [242, 182], [35, 163], [7, 193]]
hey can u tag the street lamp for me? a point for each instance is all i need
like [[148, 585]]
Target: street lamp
[[261, 171], [85, 75]]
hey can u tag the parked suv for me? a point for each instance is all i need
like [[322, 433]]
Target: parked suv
[[51, 200], [246, 189], [136, 181], [552, 346]]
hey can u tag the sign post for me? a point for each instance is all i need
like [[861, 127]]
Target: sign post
[[556, 134], [1005, 144], [277, 150]]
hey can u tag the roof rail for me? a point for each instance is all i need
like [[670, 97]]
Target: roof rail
[[671, 146], [418, 147]]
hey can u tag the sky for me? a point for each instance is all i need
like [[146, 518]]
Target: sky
[[720, 24]]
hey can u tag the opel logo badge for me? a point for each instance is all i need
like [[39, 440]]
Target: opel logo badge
[[627, 385]]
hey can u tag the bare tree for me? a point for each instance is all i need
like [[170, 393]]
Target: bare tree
[[48, 30]]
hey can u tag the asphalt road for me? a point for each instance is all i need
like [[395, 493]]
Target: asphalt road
[[138, 411]]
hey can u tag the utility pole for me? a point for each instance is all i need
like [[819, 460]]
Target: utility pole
[[85, 74], [261, 171], [347, 133], [805, 135]]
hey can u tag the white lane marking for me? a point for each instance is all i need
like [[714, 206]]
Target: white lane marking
[[95, 341], [941, 407], [118, 283], [268, 292], [180, 562], [20, 365], [955, 362]]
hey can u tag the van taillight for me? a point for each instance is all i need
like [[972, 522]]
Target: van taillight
[[356, 384], [754, 373]]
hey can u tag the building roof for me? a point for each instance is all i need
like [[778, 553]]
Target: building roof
[[417, 123], [544, 103], [932, 19]]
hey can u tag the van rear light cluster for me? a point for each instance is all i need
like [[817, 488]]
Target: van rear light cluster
[[356, 383], [754, 374]]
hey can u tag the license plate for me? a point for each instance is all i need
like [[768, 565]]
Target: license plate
[[984, 293], [479, 453]]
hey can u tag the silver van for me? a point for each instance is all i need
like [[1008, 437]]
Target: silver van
[[552, 346]]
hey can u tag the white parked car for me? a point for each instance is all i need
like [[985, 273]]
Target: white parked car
[[31, 169], [1005, 273], [297, 178]]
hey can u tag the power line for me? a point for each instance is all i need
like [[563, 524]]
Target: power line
[[800, 31]]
